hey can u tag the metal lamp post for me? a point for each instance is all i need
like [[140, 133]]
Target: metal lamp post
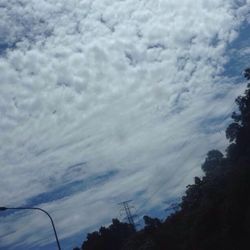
[[36, 208]]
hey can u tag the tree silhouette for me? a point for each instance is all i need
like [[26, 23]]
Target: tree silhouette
[[111, 238], [213, 160]]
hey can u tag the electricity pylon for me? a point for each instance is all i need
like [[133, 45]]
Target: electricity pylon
[[127, 209]]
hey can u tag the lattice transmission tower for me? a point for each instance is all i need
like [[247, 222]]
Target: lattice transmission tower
[[126, 207]]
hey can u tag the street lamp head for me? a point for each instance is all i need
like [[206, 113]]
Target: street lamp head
[[3, 208]]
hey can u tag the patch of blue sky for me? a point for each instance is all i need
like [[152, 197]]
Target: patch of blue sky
[[214, 124], [67, 243], [70, 189], [60, 193], [76, 239], [238, 54], [66, 190], [156, 46], [161, 211], [4, 47]]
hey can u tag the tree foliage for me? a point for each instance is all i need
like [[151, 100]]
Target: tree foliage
[[111, 238], [213, 160]]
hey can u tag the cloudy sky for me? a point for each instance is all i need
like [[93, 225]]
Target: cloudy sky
[[108, 100]]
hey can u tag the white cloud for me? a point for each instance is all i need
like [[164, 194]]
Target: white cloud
[[120, 85]]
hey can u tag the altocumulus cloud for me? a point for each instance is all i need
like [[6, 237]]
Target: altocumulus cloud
[[108, 100]]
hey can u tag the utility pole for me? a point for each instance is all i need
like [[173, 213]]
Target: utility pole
[[127, 209]]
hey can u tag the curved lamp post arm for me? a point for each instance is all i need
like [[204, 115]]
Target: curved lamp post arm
[[40, 209]]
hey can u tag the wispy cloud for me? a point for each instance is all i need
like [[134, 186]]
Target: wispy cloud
[[102, 101]]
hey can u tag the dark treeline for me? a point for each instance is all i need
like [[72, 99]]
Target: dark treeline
[[215, 210]]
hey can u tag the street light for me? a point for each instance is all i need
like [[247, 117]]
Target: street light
[[35, 208]]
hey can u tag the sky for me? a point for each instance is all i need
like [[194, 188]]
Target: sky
[[103, 101]]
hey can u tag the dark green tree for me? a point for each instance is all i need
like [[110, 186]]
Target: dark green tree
[[213, 160], [110, 238]]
